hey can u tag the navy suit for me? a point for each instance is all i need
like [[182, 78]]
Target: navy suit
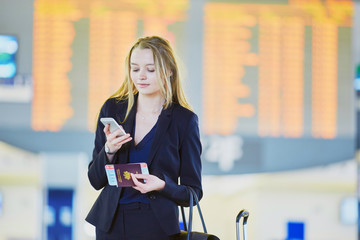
[[175, 153]]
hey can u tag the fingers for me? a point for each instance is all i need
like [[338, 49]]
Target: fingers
[[121, 140], [141, 187], [142, 176], [152, 183], [114, 140], [107, 129], [117, 143], [117, 137], [136, 178], [117, 133], [136, 182]]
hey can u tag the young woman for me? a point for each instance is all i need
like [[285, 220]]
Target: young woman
[[161, 131]]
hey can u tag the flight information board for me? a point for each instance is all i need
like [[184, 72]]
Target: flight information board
[[276, 85]]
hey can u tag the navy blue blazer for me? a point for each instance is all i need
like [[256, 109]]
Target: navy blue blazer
[[174, 155]]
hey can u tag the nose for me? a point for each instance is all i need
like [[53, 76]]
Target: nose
[[142, 75]]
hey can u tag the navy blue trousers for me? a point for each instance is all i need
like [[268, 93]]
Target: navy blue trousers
[[134, 221]]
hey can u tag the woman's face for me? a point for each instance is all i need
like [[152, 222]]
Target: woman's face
[[142, 72]]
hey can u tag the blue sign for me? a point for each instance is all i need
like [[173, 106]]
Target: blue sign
[[295, 231], [59, 214]]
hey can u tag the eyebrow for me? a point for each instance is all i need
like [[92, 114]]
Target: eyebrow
[[145, 65]]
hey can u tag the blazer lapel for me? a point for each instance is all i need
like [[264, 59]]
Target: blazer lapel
[[128, 126], [163, 124], [129, 123]]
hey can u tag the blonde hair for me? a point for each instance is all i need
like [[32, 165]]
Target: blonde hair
[[166, 70]]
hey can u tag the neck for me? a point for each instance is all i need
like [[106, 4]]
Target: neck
[[150, 104]]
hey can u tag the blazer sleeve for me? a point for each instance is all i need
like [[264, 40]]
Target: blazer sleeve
[[96, 170], [190, 167]]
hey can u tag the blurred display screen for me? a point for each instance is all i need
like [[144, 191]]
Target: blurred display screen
[[357, 78], [8, 49], [271, 81], [14, 87]]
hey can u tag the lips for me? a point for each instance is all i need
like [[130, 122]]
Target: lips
[[142, 85]]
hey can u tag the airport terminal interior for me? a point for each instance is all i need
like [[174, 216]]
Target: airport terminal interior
[[275, 84]]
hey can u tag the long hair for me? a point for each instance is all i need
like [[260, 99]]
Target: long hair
[[167, 73]]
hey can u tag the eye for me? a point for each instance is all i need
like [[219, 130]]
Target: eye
[[151, 70], [135, 70]]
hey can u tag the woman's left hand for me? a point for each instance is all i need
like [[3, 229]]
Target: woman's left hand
[[152, 183]]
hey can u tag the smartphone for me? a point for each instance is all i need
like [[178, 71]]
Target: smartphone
[[113, 125]]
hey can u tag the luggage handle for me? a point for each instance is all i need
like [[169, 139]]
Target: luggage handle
[[245, 214], [193, 198]]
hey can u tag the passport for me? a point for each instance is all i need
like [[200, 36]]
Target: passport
[[119, 174]]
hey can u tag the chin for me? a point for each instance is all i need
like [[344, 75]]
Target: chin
[[149, 93]]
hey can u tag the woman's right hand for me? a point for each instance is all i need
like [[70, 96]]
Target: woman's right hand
[[113, 140]]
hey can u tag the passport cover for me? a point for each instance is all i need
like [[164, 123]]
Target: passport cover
[[119, 174]]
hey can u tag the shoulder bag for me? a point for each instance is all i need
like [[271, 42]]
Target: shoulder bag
[[188, 234]]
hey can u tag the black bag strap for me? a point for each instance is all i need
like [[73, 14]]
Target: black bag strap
[[190, 215], [199, 210], [193, 197]]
